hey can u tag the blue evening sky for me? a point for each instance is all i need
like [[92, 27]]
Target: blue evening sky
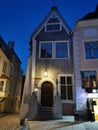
[[19, 18]]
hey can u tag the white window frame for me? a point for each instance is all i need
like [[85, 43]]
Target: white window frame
[[40, 49], [54, 49], [59, 89], [52, 30], [67, 48]]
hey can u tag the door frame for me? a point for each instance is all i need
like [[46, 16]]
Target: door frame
[[39, 88], [47, 94]]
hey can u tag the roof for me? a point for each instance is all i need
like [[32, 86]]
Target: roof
[[54, 9], [8, 52], [4, 47], [91, 15]]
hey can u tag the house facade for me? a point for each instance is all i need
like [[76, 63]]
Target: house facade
[[62, 71], [50, 68], [85, 47], [10, 78]]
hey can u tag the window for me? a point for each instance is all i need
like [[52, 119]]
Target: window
[[53, 27], [91, 50], [46, 50], [54, 49], [61, 50], [1, 85], [4, 67], [53, 24], [88, 79], [66, 87]]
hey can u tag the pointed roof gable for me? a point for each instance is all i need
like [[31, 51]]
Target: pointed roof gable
[[50, 18]]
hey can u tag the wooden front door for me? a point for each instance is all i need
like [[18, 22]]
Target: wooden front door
[[47, 94]]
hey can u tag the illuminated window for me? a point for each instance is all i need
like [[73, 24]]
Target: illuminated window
[[88, 79], [91, 50], [66, 87]]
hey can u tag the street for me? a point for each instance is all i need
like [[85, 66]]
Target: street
[[11, 122]]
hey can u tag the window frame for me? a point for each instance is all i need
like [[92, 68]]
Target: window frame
[[2, 85], [59, 86], [67, 49], [53, 30], [4, 67], [54, 49], [88, 71], [41, 42], [91, 49]]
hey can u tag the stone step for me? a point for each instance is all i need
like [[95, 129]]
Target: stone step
[[45, 113]]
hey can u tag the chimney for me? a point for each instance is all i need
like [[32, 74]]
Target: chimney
[[11, 45]]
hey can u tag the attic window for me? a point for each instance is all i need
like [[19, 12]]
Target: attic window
[[53, 27], [53, 24], [54, 15]]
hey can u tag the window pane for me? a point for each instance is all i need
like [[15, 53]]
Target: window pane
[[46, 50], [95, 53], [61, 50], [92, 76], [53, 27], [63, 92], [1, 85], [62, 80], [95, 45], [69, 80], [88, 54], [4, 67], [88, 79], [69, 92], [87, 45]]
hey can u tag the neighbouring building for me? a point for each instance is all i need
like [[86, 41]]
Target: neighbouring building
[[49, 83], [85, 47], [10, 78]]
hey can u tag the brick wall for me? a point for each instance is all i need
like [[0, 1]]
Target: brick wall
[[68, 108]]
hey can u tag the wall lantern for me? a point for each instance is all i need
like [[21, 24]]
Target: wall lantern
[[94, 90], [45, 72], [35, 89]]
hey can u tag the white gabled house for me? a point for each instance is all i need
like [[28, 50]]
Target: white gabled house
[[49, 84]]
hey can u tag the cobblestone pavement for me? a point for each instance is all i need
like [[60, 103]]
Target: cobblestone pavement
[[10, 122], [91, 125], [59, 125]]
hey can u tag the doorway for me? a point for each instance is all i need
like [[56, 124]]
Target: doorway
[[47, 94]]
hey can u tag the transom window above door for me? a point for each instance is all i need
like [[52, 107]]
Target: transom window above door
[[54, 50]]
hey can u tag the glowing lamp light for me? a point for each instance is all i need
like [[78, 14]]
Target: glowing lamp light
[[45, 73], [35, 89], [94, 90]]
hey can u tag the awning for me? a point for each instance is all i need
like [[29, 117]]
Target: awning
[[3, 76]]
